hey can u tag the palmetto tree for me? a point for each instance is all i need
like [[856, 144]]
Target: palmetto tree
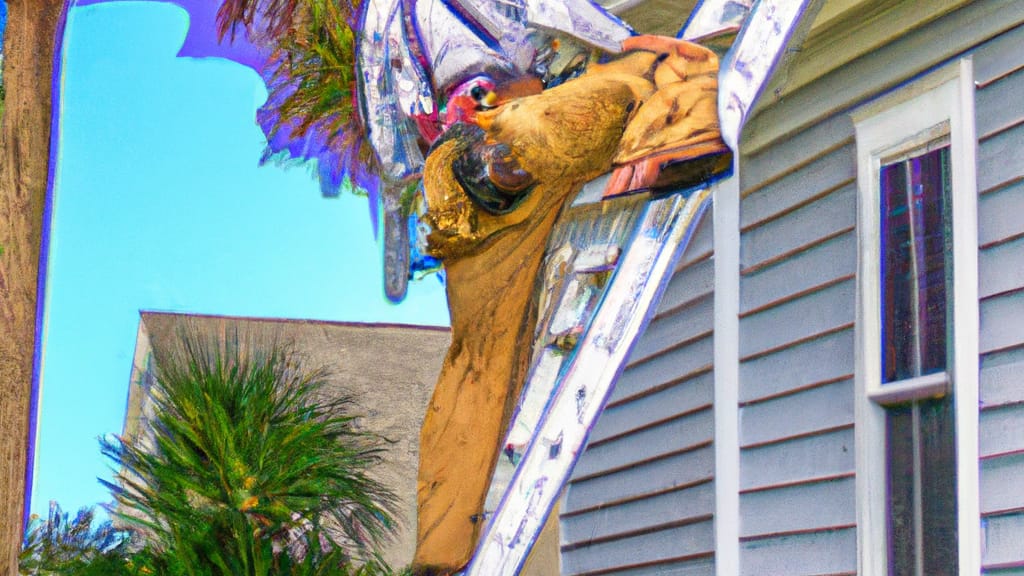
[[248, 467]]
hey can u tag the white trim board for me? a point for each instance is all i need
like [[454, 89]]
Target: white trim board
[[727, 368]]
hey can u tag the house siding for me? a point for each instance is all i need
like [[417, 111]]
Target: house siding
[[798, 258], [999, 107], [798, 299], [641, 499]]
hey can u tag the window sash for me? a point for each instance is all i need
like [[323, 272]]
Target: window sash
[[915, 263]]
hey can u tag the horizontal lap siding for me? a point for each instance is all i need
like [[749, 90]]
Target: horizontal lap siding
[[999, 215], [799, 460], [797, 301], [824, 407], [806, 317], [645, 550], [689, 567], [799, 230], [798, 367], [884, 69], [999, 108], [1000, 485], [831, 552], [608, 521], [646, 443], [1004, 546], [641, 499], [769, 513], [820, 265], [675, 472]]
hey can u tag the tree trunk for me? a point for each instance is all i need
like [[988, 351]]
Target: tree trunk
[[29, 43]]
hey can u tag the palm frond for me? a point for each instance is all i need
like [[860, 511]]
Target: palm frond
[[310, 111]]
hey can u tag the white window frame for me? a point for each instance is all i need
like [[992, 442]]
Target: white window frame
[[941, 103]]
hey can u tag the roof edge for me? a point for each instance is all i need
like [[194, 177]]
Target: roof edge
[[144, 314]]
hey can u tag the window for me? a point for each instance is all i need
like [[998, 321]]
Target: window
[[917, 326], [915, 262]]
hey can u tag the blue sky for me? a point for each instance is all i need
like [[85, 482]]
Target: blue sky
[[160, 204]]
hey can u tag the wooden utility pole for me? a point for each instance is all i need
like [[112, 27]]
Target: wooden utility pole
[[29, 43]]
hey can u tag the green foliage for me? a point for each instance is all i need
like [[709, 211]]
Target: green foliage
[[60, 544], [250, 469], [313, 67], [314, 562]]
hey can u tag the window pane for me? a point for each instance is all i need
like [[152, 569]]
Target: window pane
[[900, 447], [922, 500], [914, 198], [898, 334], [938, 487], [930, 176]]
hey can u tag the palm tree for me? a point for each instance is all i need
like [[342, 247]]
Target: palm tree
[[248, 468], [60, 544]]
